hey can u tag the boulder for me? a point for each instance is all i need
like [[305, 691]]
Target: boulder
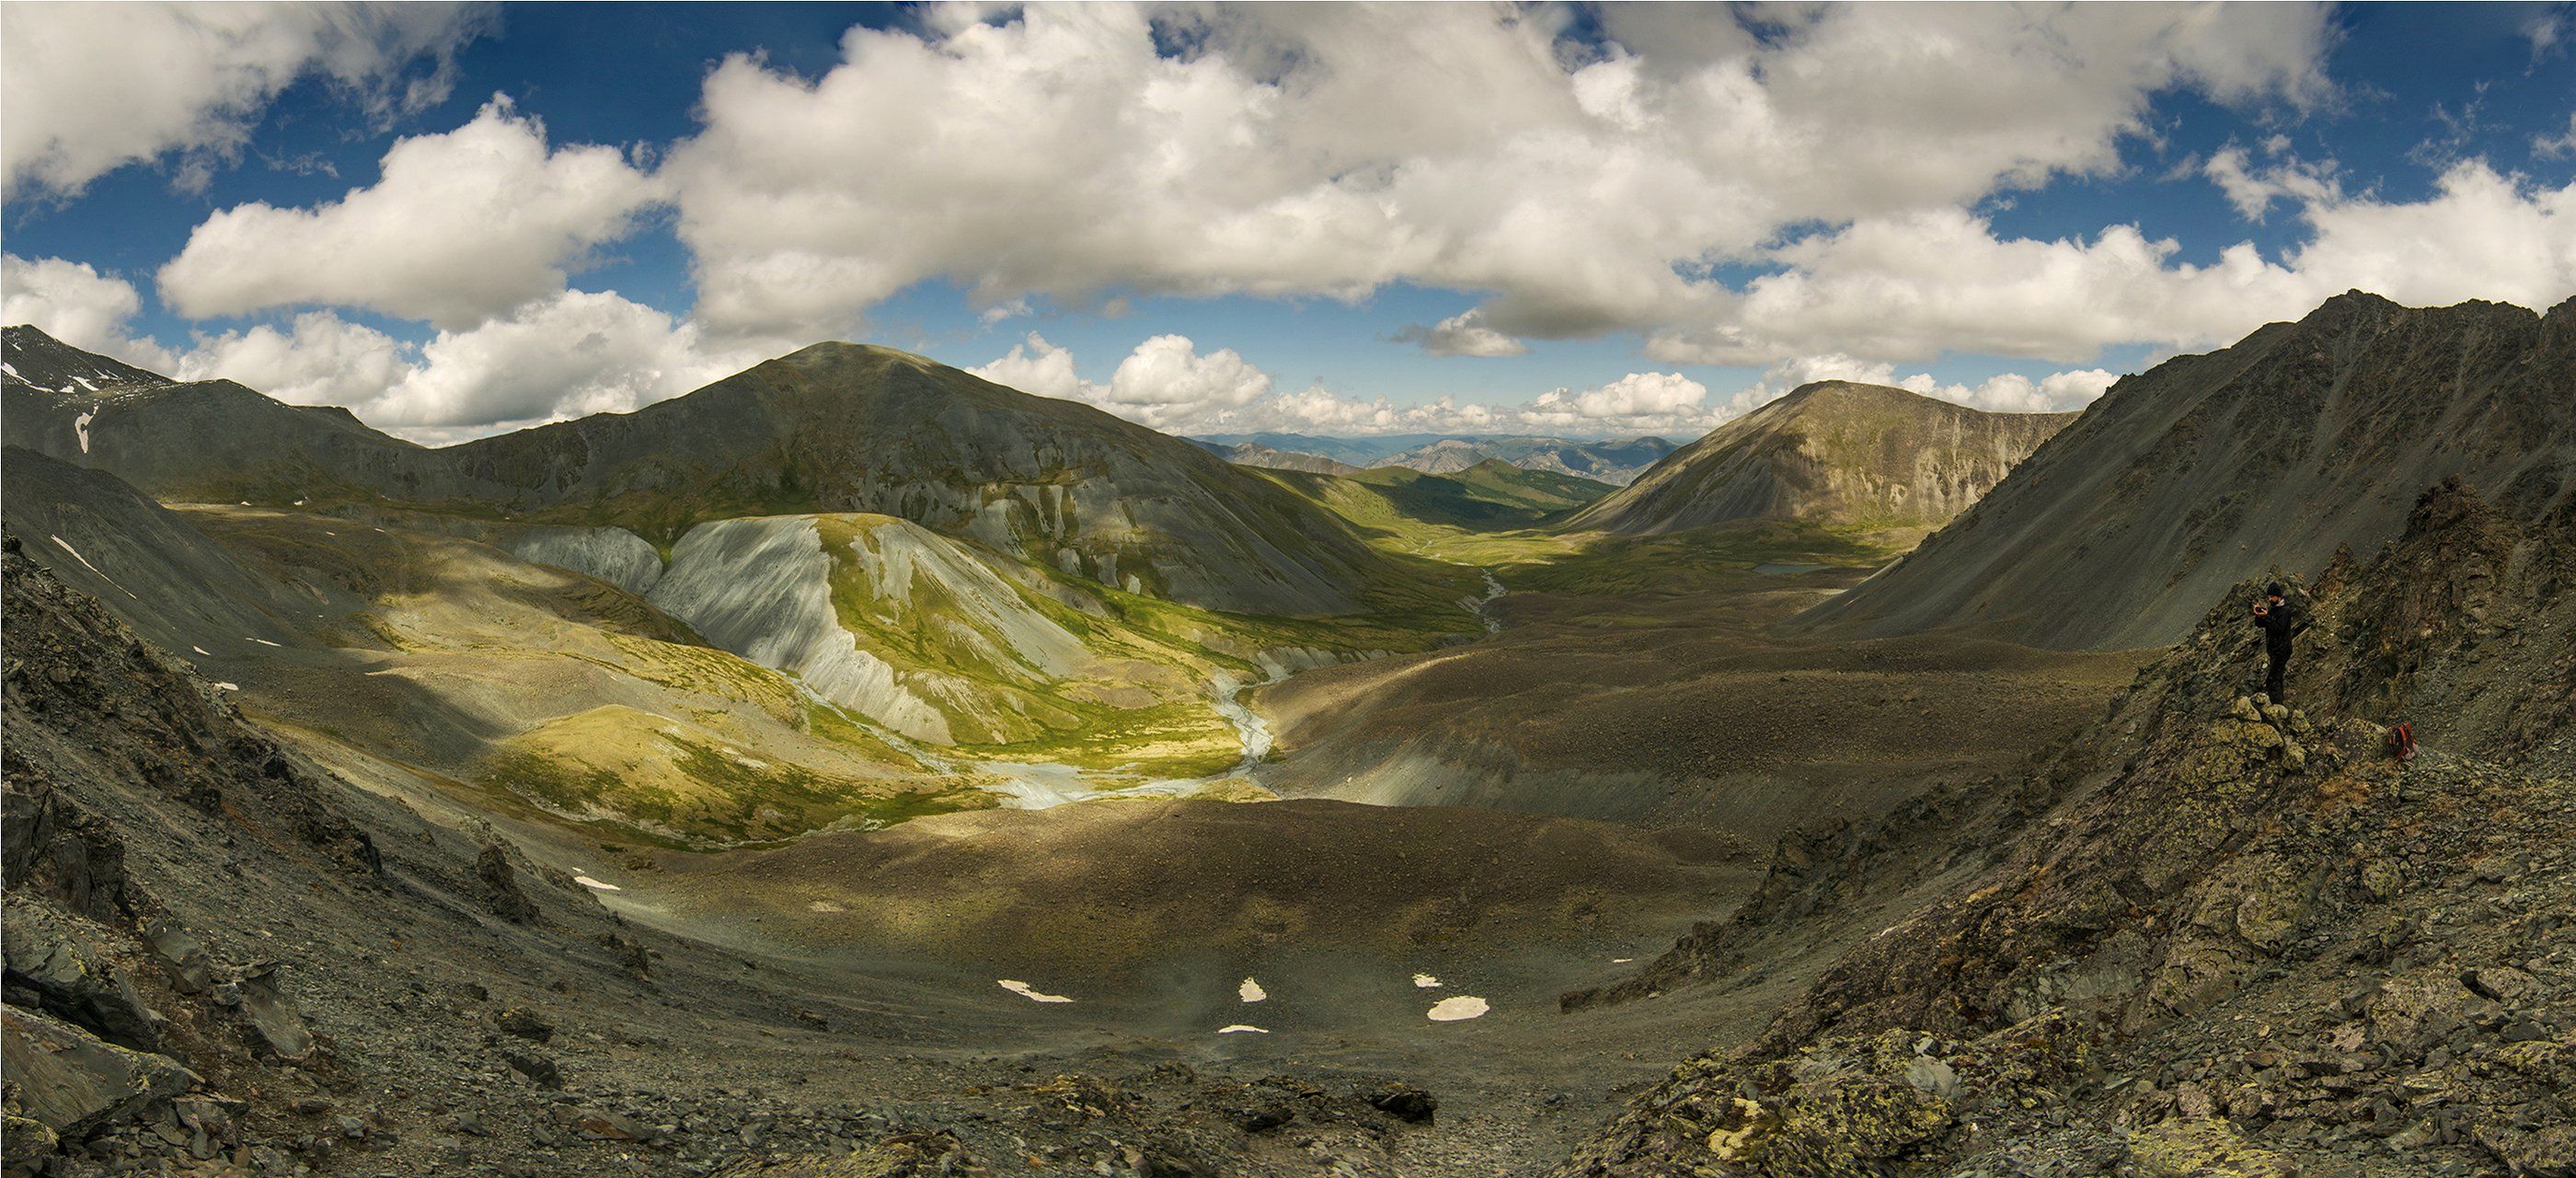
[[68, 972], [1404, 1101], [73, 1082]]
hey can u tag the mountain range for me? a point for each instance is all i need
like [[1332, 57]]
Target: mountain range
[[831, 428], [378, 807], [1615, 461], [2271, 454]]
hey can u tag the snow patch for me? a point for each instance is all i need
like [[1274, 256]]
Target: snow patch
[[1241, 1029], [12, 370], [203, 651], [1251, 991], [80, 426], [1450, 1010], [595, 885], [66, 546], [1025, 990], [261, 641], [229, 686], [1424, 981]]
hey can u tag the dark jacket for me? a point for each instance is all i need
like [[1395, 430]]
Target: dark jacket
[[2279, 622]]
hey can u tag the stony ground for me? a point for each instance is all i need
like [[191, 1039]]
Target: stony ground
[[224, 960], [2196, 934], [1680, 708], [2212, 935]]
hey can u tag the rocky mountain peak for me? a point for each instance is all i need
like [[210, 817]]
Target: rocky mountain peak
[[40, 361], [1830, 450]]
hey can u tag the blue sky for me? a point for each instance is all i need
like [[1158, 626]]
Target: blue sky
[[1338, 220]]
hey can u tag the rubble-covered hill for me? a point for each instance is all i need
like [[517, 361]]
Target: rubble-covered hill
[[223, 960], [2212, 934], [1834, 451], [2206, 470]]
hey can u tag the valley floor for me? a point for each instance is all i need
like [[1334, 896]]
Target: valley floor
[[1570, 795]]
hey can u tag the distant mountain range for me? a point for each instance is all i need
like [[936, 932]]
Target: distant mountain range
[[2269, 455], [1615, 461], [1831, 452], [1267, 458]]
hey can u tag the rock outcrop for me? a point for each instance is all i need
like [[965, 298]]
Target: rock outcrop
[[1834, 452], [878, 615]]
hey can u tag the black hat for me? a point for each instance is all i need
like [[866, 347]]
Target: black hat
[[2275, 590]]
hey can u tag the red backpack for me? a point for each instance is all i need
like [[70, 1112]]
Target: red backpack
[[2401, 740]]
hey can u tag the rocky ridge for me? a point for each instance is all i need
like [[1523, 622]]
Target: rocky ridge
[[1833, 451], [2191, 477]]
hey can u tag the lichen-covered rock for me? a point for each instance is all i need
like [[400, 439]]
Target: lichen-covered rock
[[71, 1081], [2204, 1149], [70, 974]]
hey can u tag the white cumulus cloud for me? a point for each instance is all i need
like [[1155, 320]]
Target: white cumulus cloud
[[1463, 334], [463, 226], [74, 303], [93, 87], [1165, 383], [1053, 151]]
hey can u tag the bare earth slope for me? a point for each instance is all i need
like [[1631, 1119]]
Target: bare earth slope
[[2210, 469], [1832, 451]]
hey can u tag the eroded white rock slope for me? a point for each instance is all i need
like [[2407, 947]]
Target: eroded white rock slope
[[614, 555], [762, 588]]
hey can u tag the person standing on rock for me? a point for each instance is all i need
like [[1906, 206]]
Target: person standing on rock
[[2279, 619]]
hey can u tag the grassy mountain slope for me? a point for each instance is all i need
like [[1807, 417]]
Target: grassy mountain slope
[[2271, 453], [1831, 452]]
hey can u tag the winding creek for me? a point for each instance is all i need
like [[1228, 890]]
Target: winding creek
[[1039, 785]]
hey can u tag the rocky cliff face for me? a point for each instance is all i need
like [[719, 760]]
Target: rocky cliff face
[[2209, 469], [1831, 451], [2211, 935]]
